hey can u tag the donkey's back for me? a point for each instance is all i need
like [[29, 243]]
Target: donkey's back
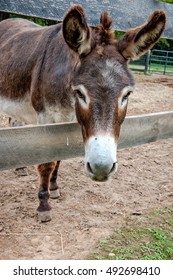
[[24, 46]]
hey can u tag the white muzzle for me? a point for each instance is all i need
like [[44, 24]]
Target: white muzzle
[[100, 157]]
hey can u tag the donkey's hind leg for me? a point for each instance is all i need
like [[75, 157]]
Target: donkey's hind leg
[[45, 171], [54, 189]]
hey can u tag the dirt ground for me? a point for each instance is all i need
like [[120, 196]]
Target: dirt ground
[[88, 211]]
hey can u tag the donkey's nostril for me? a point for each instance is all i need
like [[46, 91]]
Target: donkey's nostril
[[101, 169], [113, 167], [89, 167]]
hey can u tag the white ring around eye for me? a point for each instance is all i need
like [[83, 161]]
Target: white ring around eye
[[123, 99], [85, 101]]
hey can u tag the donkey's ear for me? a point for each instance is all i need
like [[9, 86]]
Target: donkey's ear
[[76, 30], [139, 40]]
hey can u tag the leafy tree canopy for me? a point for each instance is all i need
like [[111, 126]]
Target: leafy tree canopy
[[167, 1]]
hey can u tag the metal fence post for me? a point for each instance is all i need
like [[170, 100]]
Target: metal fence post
[[147, 62], [166, 60]]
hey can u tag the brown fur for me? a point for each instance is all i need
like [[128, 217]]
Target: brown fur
[[43, 63], [104, 32], [136, 36]]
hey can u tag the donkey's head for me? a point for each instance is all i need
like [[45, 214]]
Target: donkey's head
[[102, 82]]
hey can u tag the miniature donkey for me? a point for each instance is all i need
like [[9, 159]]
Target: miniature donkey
[[70, 70]]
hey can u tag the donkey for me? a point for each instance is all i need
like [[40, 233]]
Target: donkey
[[58, 73]]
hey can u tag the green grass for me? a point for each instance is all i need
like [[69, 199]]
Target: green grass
[[160, 68], [155, 68], [149, 237]]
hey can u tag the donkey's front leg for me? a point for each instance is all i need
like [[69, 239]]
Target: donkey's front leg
[[54, 189], [45, 171]]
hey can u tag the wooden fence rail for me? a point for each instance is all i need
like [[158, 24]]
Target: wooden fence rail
[[30, 145]]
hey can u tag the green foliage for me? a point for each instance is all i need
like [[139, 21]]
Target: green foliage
[[167, 1], [164, 44], [43, 22], [118, 34], [152, 240]]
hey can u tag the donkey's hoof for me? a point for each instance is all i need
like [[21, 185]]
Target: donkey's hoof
[[55, 194], [44, 216]]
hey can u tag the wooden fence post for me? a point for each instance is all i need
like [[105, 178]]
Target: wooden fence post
[[166, 61]]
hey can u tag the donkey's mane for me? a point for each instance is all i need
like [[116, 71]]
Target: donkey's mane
[[105, 33]]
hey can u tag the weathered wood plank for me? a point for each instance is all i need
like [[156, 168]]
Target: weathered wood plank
[[30, 145], [138, 130], [126, 14]]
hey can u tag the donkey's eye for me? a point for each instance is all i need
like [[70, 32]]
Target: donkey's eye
[[125, 97], [81, 95]]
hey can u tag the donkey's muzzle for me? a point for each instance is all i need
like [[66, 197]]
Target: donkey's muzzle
[[101, 172], [100, 157]]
